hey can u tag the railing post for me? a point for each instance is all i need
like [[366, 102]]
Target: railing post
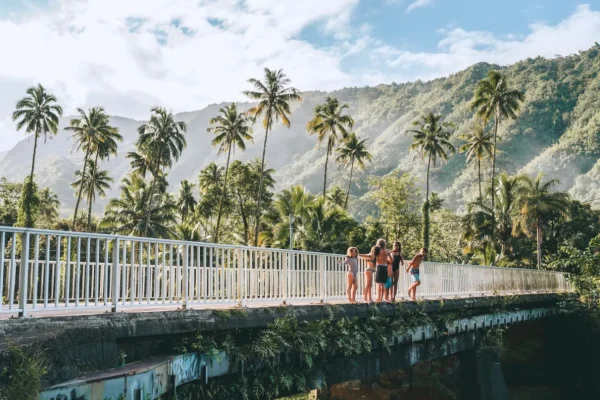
[[24, 275], [322, 277], [286, 268], [116, 271], [186, 283], [240, 276]]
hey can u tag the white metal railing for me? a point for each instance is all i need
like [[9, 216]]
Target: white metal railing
[[47, 270]]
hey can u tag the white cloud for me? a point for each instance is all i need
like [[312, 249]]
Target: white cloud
[[460, 48], [418, 4], [105, 52], [86, 51]]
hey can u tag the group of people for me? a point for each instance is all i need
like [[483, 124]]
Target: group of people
[[385, 265]]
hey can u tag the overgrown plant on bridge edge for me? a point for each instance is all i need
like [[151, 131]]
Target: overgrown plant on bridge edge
[[291, 355]]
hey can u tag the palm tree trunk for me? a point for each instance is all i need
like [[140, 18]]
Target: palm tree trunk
[[539, 243], [150, 196], [427, 181], [35, 140], [326, 161], [260, 184], [426, 209], [479, 177], [496, 121], [87, 154], [223, 195], [349, 183], [91, 192], [244, 217]]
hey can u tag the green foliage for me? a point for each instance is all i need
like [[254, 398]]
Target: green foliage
[[425, 225], [22, 378], [135, 214], [28, 204], [397, 197], [494, 340]]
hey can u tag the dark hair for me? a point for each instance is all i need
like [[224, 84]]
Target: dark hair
[[399, 245], [375, 250], [425, 249], [381, 243]]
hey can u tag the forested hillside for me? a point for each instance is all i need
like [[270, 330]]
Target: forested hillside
[[557, 132]]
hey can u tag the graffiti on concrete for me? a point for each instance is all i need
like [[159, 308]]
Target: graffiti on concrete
[[72, 396], [186, 368]]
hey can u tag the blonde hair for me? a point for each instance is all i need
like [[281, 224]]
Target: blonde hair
[[349, 251]]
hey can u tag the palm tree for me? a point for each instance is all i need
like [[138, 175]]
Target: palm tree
[[479, 146], [336, 196], [231, 130], [140, 162], [324, 228], [489, 238], [538, 204], [435, 202], [49, 205], [38, 113], [88, 130], [352, 150], [100, 182], [162, 140], [209, 177], [290, 208], [186, 201], [128, 215], [94, 183], [494, 99], [431, 140], [274, 96], [327, 123]]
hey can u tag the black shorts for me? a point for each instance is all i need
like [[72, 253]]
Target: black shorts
[[381, 274]]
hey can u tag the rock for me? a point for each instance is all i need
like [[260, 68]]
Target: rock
[[381, 392]]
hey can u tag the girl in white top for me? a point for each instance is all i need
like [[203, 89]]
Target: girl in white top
[[352, 263]]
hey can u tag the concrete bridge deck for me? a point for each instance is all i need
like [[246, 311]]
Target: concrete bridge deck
[[92, 342]]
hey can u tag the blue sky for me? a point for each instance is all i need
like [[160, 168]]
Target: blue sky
[[418, 30], [129, 55]]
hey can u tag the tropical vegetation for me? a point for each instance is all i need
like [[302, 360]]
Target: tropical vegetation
[[515, 220]]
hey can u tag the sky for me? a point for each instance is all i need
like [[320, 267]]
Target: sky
[[131, 55]]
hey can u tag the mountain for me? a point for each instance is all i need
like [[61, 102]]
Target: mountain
[[557, 133]]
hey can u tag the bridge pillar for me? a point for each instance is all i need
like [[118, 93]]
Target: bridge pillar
[[481, 376], [490, 376]]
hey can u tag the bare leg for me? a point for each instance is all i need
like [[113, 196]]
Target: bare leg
[[354, 289], [395, 285], [368, 285], [380, 290], [413, 289], [350, 277], [416, 284]]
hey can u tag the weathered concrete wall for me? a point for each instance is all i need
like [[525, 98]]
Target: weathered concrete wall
[[79, 344]]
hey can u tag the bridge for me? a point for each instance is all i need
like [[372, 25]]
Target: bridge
[[59, 272], [101, 296]]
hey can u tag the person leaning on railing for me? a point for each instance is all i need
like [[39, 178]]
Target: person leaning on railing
[[371, 263]]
